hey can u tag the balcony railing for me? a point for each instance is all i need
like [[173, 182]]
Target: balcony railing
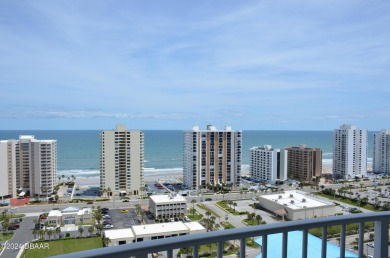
[[143, 249]]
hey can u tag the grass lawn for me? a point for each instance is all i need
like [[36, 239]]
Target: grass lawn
[[65, 246], [227, 225], [202, 206], [252, 222], [195, 217], [224, 205], [5, 237], [349, 201]]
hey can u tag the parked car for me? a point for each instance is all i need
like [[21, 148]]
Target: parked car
[[89, 202], [208, 199], [124, 211], [12, 227], [108, 226]]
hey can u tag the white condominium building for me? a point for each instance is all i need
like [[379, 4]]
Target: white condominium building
[[267, 164], [31, 165], [381, 159], [8, 168], [122, 161], [212, 157], [349, 152]]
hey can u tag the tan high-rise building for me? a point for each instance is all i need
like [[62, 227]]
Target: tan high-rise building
[[30, 165], [122, 161], [304, 164], [212, 157]]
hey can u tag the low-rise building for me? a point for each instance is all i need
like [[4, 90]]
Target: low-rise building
[[70, 216], [167, 206], [295, 205], [141, 233]]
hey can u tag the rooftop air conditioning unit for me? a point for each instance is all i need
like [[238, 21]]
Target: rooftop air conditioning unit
[[292, 201], [280, 197], [303, 200], [285, 204], [291, 195]]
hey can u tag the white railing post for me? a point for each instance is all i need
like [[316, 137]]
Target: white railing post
[[381, 239]]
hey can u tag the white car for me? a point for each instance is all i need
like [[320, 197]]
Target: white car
[[108, 226]]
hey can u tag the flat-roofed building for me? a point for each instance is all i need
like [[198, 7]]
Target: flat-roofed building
[[119, 236], [8, 168], [140, 233], [122, 161], [28, 165], [381, 157], [167, 206], [267, 164], [70, 216], [304, 164], [212, 157], [349, 152], [295, 205]]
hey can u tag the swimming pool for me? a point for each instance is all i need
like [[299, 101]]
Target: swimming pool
[[294, 246]]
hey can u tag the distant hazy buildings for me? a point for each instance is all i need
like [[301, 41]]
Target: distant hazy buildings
[[28, 165], [268, 164], [349, 152], [212, 157], [304, 164], [122, 161], [381, 158]]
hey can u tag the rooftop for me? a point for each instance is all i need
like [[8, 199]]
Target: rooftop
[[167, 198], [161, 228], [296, 200], [119, 233]]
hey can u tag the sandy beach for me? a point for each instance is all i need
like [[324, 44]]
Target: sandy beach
[[177, 175]]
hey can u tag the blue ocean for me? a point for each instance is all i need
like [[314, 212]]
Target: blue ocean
[[78, 150]]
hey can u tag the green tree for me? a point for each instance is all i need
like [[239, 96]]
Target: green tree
[[91, 229], [193, 207], [258, 218], [81, 230], [58, 231]]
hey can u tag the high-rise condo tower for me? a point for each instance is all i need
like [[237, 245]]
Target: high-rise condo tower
[[122, 161], [349, 152], [381, 158], [212, 157]]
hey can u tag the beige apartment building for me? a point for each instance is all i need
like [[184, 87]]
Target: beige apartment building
[[304, 164], [29, 165], [122, 161], [212, 157]]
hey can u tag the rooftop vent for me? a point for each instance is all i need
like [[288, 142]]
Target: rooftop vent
[[280, 197], [292, 201], [303, 200], [291, 195]]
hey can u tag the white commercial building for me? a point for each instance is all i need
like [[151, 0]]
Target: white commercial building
[[267, 164], [349, 152], [29, 164], [141, 233], [167, 206], [122, 161], [212, 157], [295, 205], [70, 216], [381, 157]]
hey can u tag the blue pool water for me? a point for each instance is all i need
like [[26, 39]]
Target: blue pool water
[[294, 248]]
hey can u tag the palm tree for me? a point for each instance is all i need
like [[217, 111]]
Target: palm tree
[[49, 233], [217, 226], [99, 228], [193, 207], [35, 233], [81, 230], [234, 206], [109, 191], [41, 233], [58, 231], [208, 213], [90, 230], [258, 218], [106, 241]]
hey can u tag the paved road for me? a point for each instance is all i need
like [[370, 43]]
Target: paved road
[[21, 236]]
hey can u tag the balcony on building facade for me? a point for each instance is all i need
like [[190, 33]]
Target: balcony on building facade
[[168, 245]]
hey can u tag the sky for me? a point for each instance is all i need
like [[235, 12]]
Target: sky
[[254, 65]]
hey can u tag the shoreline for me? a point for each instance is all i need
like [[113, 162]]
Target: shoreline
[[177, 174]]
